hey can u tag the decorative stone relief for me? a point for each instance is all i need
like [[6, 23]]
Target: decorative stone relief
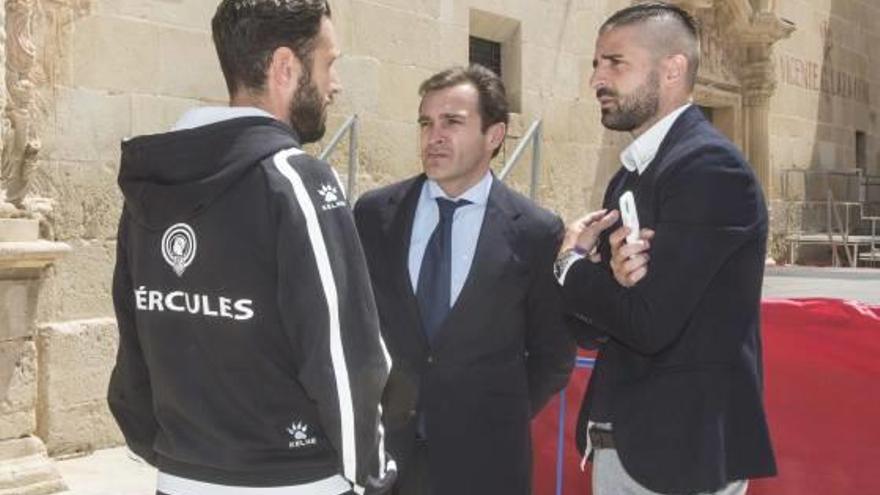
[[737, 54], [719, 58], [18, 127], [758, 75]]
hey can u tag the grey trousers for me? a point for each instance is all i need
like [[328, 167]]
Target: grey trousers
[[609, 478]]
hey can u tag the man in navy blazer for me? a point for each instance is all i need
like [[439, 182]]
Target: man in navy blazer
[[675, 403], [469, 309]]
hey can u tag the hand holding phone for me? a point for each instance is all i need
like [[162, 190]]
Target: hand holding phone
[[630, 216]]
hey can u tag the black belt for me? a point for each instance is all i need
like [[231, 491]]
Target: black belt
[[601, 439]]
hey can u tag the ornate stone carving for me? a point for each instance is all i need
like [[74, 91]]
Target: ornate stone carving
[[20, 141], [738, 38], [719, 59], [758, 76], [692, 5]]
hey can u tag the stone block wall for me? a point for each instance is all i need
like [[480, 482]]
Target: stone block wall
[[72, 412], [108, 70], [18, 373], [828, 86]]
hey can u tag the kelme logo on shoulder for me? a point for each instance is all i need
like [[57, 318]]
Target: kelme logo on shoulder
[[179, 247], [331, 197]]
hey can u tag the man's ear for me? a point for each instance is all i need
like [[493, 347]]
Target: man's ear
[[284, 70], [676, 69], [496, 133]]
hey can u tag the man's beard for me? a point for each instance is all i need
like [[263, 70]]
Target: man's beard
[[634, 109], [307, 110]]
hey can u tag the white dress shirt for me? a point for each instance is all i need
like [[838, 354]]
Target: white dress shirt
[[641, 152]]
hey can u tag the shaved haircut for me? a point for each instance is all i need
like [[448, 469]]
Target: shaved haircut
[[668, 30]]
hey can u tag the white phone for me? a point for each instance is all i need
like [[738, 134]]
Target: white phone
[[630, 216]]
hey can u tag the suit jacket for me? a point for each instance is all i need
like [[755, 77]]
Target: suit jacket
[[500, 355], [680, 376]]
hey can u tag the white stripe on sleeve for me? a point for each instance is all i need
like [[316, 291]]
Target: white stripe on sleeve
[[325, 271]]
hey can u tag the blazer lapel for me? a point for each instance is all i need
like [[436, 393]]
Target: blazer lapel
[[397, 226], [492, 256]]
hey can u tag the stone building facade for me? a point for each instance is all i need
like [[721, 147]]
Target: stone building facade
[[793, 82]]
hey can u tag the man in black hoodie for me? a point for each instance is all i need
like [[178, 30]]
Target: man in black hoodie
[[250, 359]]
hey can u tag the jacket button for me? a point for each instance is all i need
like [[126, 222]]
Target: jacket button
[[430, 359], [412, 413]]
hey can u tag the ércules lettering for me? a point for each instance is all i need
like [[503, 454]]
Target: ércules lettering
[[195, 304]]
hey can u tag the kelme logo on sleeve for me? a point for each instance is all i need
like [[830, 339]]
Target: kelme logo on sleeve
[[331, 197], [179, 247]]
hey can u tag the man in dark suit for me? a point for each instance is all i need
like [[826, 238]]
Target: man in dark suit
[[675, 402], [468, 305]]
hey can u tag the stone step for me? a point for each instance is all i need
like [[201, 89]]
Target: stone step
[[25, 469]]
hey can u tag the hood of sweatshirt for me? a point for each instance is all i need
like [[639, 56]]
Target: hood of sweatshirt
[[176, 175]]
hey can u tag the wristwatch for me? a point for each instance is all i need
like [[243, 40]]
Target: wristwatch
[[564, 262]]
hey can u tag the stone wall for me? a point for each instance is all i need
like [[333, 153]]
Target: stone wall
[[74, 360], [110, 70], [829, 85]]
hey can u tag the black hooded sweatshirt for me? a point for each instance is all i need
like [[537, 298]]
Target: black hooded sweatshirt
[[249, 346]]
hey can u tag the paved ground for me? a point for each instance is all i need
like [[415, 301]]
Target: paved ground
[[857, 284], [112, 472], [108, 472]]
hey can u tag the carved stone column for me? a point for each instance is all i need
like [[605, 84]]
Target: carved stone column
[[752, 28], [758, 78], [758, 86]]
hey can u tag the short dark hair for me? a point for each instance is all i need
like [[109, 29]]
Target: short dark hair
[[491, 95], [652, 11], [247, 33]]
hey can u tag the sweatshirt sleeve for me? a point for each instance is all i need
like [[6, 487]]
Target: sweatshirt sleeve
[[328, 311], [130, 396]]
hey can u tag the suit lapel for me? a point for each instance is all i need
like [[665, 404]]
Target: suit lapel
[[491, 257], [616, 189], [397, 226]]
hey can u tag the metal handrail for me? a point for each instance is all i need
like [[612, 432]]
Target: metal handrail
[[874, 253], [844, 230], [533, 134], [351, 127]]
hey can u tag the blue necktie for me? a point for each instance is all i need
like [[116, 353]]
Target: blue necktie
[[435, 275]]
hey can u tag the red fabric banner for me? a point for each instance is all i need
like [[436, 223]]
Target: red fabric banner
[[822, 365]]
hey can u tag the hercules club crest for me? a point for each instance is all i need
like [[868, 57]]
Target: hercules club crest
[[179, 247]]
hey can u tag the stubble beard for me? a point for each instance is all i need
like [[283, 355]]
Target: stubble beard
[[308, 113], [635, 109]]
